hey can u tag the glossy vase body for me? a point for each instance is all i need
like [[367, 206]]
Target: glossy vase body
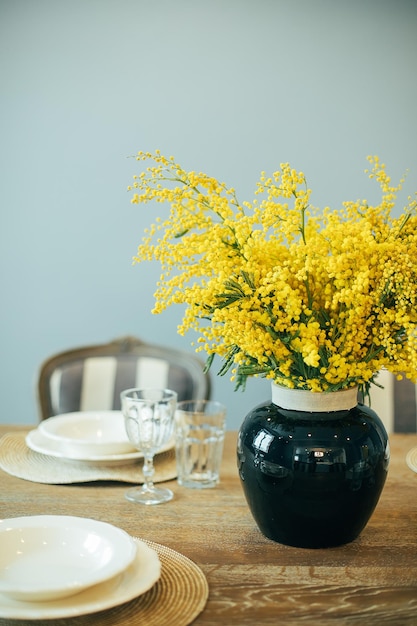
[[312, 478]]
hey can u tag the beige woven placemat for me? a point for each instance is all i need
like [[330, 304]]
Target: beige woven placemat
[[176, 599], [20, 461]]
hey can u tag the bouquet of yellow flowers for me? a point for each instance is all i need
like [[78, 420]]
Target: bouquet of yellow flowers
[[312, 299]]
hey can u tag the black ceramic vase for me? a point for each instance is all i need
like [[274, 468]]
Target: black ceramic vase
[[312, 475]]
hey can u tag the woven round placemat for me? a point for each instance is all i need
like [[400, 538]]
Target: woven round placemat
[[20, 461], [176, 599]]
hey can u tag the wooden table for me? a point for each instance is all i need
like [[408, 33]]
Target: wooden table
[[252, 580]]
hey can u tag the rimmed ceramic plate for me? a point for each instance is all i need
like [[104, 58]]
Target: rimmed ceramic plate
[[411, 459], [37, 442], [92, 433], [46, 557], [138, 578]]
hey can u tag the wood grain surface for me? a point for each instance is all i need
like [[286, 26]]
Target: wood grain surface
[[252, 580]]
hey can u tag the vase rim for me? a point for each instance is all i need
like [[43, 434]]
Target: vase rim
[[313, 401]]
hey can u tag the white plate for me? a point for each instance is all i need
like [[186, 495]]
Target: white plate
[[138, 578], [37, 442], [91, 433], [411, 459], [46, 557]]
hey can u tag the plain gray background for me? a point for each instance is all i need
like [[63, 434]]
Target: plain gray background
[[229, 87]]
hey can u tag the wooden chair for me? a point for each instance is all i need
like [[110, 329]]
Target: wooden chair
[[396, 403], [91, 378]]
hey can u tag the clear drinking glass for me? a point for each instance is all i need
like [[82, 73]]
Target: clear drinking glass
[[149, 420], [199, 433]]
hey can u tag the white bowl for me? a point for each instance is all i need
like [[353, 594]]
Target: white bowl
[[45, 557], [90, 433]]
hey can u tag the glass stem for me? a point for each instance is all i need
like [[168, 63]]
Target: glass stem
[[148, 472]]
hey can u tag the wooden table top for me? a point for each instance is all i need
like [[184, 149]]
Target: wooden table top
[[252, 580]]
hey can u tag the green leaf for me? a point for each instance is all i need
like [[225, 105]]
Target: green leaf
[[181, 234]]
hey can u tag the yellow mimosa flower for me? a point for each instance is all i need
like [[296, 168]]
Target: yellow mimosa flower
[[312, 299]]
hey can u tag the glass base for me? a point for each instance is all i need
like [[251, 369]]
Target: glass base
[[156, 495], [198, 482]]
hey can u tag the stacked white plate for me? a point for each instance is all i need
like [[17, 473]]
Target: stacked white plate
[[91, 436], [411, 459], [61, 566]]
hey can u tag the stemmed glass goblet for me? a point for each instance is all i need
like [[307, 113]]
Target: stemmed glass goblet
[[149, 419]]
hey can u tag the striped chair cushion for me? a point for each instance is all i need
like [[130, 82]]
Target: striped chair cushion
[[396, 403], [95, 383]]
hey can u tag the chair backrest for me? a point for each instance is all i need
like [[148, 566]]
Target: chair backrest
[[395, 403], [91, 378]]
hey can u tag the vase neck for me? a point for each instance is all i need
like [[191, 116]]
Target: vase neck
[[314, 402]]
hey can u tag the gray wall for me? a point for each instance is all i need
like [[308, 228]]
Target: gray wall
[[228, 87]]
